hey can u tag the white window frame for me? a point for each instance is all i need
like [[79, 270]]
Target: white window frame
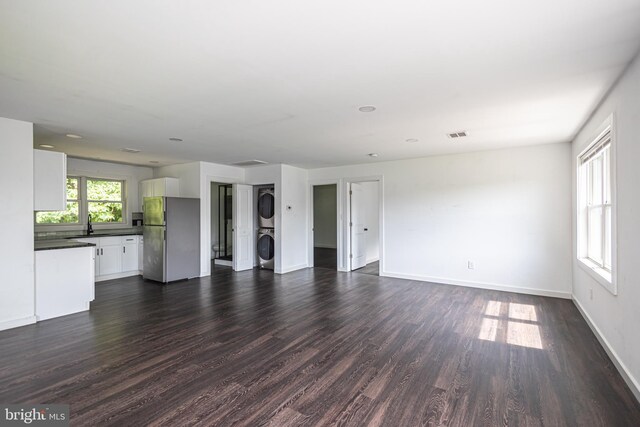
[[123, 199], [83, 208], [603, 274]]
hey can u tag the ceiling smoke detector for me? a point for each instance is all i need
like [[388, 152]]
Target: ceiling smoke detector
[[130, 150], [372, 154], [249, 163], [461, 134]]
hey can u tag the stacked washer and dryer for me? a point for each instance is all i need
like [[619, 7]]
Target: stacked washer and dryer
[[266, 228]]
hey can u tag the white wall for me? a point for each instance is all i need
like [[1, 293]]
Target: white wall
[[187, 173], [371, 220], [132, 175], [508, 211], [617, 318], [325, 225], [294, 220], [16, 253]]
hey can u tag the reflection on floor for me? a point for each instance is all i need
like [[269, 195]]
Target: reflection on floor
[[373, 268], [325, 258]]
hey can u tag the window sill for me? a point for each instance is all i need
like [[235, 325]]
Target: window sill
[[602, 276]]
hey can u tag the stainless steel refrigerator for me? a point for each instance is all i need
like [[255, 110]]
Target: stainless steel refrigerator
[[171, 238]]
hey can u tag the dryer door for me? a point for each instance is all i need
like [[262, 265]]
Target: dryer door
[[266, 249], [266, 209]]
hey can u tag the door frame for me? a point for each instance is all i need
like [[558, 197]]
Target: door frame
[[344, 213], [346, 227], [205, 210], [315, 183]]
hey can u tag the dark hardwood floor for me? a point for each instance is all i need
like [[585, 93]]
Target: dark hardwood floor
[[325, 258], [316, 347]]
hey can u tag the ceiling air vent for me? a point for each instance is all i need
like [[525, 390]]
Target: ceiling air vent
[[130, 150], [249, 163], [457, 134]]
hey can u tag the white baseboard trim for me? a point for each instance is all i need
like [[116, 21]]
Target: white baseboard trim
[[480, 285], [117, 275], [633, 384], [293, 268], [315, 245], [374, 259], [15, 323]]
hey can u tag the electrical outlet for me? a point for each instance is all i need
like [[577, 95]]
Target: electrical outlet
[[591, 294], [471, 265]]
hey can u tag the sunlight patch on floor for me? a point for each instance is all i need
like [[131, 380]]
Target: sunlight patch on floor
[[519, 321]]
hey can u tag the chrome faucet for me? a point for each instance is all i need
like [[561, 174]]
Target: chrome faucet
[[89, 227]]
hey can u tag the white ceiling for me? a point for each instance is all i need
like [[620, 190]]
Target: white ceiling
[[282, 81]]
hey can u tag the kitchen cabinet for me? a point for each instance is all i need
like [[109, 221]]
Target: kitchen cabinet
[[116, 256], [49, 181], [167, 187], [64, 281], [130, 253], [110, 260]]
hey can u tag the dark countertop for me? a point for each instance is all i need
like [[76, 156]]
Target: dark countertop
[[95, 234], [45, 245]]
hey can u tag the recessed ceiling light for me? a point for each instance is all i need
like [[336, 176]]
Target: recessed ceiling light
[[175, 139], [372, 154], [47, 146], [412, 140], [130, 150], [154, 161], [367, 109], [74, 136]]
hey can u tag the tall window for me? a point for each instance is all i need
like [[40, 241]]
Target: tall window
[[595, 204], [69, 215], [101, 199], [104, 200]]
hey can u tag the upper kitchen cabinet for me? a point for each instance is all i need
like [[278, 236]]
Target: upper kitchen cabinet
[[167, 187], [49, 181]]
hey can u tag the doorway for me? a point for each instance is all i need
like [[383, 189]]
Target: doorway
[[325, 226], [364, 227], [221, 224]]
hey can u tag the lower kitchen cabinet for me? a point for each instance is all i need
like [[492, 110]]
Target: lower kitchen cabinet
[[116, 256], [130, 254], [64, 281]]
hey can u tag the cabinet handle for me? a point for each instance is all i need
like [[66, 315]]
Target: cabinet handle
[[101, 251], [124, 249]]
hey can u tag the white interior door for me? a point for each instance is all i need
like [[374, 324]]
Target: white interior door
[[242, 225], [358, 253]]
